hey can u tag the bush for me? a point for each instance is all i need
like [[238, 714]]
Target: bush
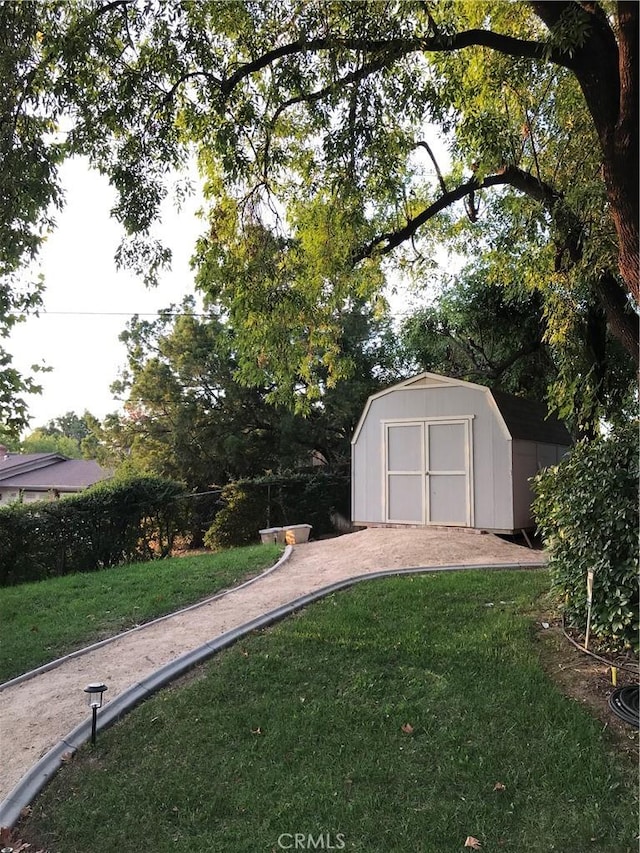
[[587, 511], [275, 501], [118, 521]]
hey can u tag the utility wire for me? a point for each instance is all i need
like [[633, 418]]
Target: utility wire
[[161, 313]]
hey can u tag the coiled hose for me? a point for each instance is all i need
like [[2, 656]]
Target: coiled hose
[[624, 704]]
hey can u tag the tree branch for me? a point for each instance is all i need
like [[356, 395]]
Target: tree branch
[[351, 77], [397, 47], [517, 178], [426, 147], [550, 13], [622, 320], [189, 75], [498, 369], [101, 10], [621, 317]]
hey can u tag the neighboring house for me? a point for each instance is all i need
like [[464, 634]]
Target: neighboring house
[[44, 476], [433, 450]]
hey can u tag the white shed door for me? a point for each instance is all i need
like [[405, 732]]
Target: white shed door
[[428, 472]]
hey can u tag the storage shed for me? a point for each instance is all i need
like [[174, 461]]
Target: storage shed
[[433, 450]]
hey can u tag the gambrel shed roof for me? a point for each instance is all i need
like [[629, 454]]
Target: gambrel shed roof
[[527, 420]]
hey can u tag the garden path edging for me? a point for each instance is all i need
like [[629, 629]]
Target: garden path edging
[[46, 667], [40, 773]]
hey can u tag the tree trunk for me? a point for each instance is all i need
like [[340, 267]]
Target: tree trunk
[[606, 67], [622, 319], [624, 180]]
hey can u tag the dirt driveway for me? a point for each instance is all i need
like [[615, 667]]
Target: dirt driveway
[[36, 714]]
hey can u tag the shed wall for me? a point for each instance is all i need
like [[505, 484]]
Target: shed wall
[[491, 451], [529, 457]]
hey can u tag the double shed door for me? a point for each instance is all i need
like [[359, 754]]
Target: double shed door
[[428, 467]]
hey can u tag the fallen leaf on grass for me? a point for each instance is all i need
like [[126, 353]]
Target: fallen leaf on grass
[[10, 841], [498, 787], [472, 842], [407, 728]]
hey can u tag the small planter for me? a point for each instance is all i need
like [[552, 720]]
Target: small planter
[[272, 534], [295, 534]]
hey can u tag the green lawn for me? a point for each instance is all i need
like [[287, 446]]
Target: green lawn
[[299, 729], [42, 621]]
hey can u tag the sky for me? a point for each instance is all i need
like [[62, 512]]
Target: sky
[[81, 276]]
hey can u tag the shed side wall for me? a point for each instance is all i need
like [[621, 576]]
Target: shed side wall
[[529, 457]]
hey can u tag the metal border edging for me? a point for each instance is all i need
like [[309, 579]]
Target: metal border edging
[[37, 777], [79, 652]]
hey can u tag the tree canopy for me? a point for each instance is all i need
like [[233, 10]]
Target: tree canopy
[[482, 333], [314, 126], [186, 417]]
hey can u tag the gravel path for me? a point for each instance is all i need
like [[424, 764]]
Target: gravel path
[[36, 714]]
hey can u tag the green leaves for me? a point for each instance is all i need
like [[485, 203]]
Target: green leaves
[[587, 511], [250, 505], [483, 332], [122, 520]]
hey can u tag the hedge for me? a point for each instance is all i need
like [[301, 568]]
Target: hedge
[[587, 511], [250, 505], [113, 522]]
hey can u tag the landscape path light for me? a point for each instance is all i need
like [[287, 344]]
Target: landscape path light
[[94, 699]]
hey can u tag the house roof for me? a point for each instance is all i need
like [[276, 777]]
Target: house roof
[[44, 471], [27, 461], [527, 420]]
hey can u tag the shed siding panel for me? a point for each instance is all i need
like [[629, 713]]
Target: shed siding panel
[[405, 498], [447, 500], [525, 465], [365, 477], [446, 447], [529, 457], [546, 455]]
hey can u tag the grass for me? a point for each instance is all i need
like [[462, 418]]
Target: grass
[[299, 729], [42, 621]]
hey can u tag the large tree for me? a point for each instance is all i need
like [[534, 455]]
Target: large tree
[[186, 417], [494, 332], [482, 333], [313, 124]]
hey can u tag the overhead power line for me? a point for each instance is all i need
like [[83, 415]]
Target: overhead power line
[[160, 311]]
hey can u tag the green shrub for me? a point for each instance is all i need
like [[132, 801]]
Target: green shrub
[[118, 521], [587, 511], [275, 501]]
